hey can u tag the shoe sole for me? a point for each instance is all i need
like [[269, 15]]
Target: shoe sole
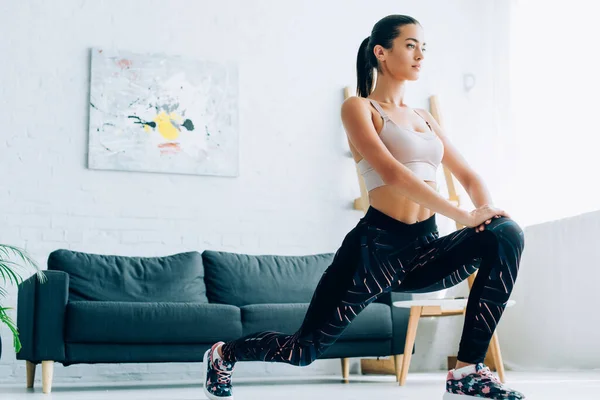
[[453, 396], [208, 395]]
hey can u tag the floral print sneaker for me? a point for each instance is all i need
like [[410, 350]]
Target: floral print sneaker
[[481, 384], [217, 376]]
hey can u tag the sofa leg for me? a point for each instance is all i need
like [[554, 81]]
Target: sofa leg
[[30, 373], [47, 374], [345, 368]]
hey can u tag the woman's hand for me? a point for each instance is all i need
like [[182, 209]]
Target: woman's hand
[[482, 216], [481, 227]]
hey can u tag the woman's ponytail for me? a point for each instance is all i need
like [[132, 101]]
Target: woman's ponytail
[[364, 70]]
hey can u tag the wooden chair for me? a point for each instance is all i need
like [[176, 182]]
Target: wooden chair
[[400, 364]]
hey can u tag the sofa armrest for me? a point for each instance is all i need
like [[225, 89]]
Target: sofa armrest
[[41, 316]]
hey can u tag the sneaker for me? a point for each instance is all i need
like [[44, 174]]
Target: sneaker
[[481, 384], [216, 381]]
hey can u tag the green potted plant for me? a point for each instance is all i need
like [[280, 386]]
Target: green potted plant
[[10, 273]]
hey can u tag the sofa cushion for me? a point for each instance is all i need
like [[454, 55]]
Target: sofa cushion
[[241, 279], [134, 322], [179, 277], [374, 322]]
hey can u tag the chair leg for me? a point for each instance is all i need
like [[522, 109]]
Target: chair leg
[[497, 356], [345, 368], [30, 373], [47, 374], [411, 334], [398, 365]]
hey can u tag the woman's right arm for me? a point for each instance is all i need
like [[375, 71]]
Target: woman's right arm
[[356, 118]]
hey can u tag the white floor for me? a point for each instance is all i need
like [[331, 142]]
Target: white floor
[[537, 386]]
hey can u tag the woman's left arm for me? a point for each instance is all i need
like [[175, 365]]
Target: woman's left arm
[[456, 163], [478, 192]]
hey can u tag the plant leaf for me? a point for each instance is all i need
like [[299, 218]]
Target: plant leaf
[[9, 274], [9, 271], [13, 276], [5, 318], [22, 254]]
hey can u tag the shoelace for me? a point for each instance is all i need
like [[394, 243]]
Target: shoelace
[[223, 377], [485, 372], [223, 372]]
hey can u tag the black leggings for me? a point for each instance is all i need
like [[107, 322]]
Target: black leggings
[[382, 254]]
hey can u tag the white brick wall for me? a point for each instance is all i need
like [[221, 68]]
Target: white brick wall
[[296, 183]]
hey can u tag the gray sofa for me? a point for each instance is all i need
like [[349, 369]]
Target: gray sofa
[[115, 309]]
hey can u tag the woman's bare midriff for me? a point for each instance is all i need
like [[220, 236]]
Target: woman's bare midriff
[[388, 199]]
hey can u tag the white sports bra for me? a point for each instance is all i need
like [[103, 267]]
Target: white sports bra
[[420, 152]]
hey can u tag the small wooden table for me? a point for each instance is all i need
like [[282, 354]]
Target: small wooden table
[[438, 308]]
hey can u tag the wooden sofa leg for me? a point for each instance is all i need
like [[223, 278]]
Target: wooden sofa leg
[[47, 374], [30, 373], [345, 368]]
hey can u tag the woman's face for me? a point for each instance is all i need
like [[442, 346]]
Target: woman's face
[[404, 59]]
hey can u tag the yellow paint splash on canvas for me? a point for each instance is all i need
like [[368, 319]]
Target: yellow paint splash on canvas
[[165, 126]]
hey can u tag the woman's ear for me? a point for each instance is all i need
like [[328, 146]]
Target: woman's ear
[[379, 52]]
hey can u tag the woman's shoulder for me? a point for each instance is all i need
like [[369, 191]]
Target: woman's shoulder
[[356, 110], [355, 104], [356, 100]]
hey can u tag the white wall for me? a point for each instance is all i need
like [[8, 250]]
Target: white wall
[[296, 183], [555, 85], [555, 321]]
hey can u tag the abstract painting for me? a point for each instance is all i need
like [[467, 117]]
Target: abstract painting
[[160, 113]]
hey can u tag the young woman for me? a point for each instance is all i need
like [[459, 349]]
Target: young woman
[[396, 245]]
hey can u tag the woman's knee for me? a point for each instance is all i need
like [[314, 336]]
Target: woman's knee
[[509, 231], [304, 354]]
